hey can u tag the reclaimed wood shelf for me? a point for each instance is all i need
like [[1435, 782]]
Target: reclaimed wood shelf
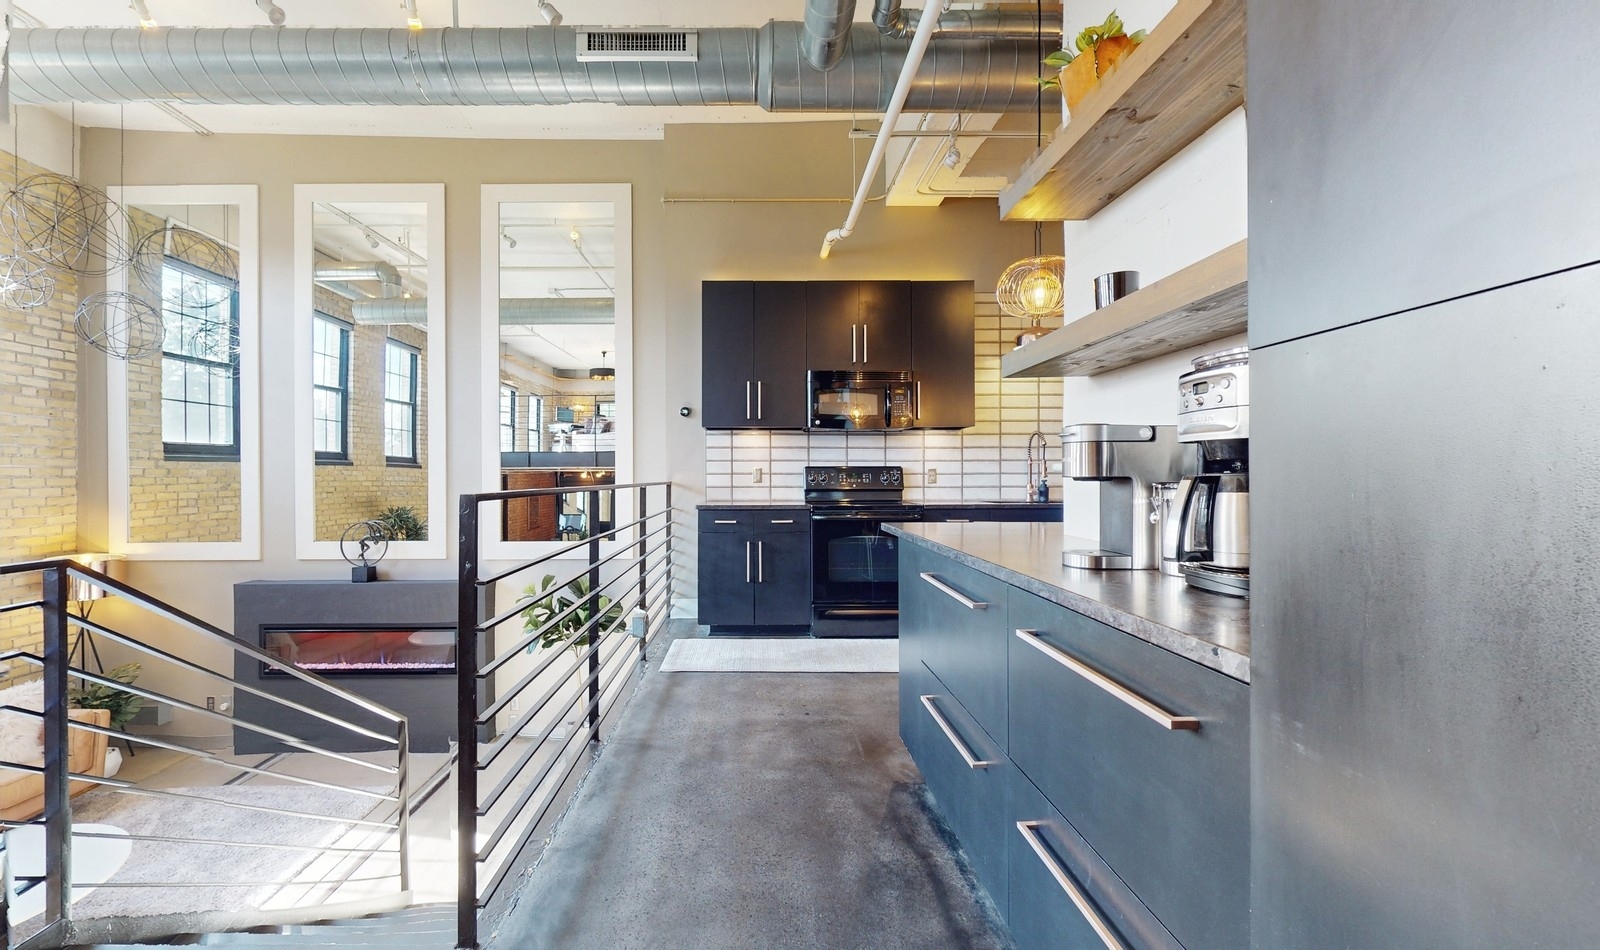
[[1183, 79], [1205, 301]]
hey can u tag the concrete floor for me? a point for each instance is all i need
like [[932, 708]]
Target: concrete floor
[[734, 810]]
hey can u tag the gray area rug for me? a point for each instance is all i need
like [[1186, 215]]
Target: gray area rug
[[238, 877], [781, 655]]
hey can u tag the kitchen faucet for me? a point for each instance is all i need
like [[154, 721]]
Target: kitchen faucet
[[1038, 481]]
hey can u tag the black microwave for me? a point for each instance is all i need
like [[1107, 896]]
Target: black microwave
[[865, 401]]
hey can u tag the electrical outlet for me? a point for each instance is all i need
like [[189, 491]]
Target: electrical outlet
[[755, 475], [211, 703], [516, 706], [933, 476]]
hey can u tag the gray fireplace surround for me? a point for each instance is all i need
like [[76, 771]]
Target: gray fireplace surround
[[427, 700]]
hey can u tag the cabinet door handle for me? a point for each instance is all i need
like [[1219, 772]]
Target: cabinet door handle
[[726, 521], [853, 358], [864, 357], [958, 520], [965, 601], [1139, 703], [919, 399], [747, 399], [973, 762], [759, 413], [1030, 833], [782, 521], [761, 562], [747, 562]]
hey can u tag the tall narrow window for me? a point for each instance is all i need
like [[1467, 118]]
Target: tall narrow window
[[199, 363], [508, 419], [399, 404], [330, 377]]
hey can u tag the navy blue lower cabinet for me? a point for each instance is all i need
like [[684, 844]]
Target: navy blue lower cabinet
[[1147, 755], [968, 775], [1061, 895], [962, 634]]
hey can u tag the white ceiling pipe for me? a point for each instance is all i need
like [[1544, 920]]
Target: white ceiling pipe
[[908, 72]]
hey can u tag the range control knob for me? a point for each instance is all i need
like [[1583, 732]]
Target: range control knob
[[894, 477]]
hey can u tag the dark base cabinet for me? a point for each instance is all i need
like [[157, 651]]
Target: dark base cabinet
[[1099, 784], [755, 567]]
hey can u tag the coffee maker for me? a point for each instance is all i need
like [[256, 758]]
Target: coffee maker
[[1207, 538]]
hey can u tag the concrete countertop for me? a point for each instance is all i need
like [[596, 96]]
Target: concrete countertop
[[945, 505], [1210, 629]]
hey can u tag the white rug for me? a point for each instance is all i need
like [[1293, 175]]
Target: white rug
[[237, 877], [779, 655]]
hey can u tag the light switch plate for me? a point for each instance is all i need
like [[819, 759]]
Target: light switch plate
[[755, 475], [933, 476]]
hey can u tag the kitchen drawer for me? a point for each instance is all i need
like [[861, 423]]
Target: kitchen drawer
[[991, 513], [967, 774], [1167, 808], [781, 520], [721, 520], [1040, 910], [961, 622]]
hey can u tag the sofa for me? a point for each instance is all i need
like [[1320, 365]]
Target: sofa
[[22, 740]]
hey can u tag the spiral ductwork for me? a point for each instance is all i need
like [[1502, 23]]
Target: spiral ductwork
[[514, 311], [494, 66]]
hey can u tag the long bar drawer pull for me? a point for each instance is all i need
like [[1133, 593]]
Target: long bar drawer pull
[[783, 521], [1031, 835], [973, 762], [726, 521], [966, 601], [1111, 686]]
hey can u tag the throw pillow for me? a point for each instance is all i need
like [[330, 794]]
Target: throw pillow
[[21, 736]]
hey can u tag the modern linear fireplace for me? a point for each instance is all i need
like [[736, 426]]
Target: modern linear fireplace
[[342, 650]]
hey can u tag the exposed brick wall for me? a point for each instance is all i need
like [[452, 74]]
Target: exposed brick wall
[[530, 519], [38, 440], [172, 499], [362, 489]]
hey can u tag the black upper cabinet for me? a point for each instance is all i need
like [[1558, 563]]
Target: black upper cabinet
[[858, 325], [942, 353], [750, 333]]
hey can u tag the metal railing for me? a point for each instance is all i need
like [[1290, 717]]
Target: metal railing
[[529, 713], [373, 821]]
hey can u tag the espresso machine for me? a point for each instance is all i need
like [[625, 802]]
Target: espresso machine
[[1127, 460], [1206, 537]]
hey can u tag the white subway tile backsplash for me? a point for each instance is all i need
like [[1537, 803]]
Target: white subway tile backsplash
[[718, 467], [787, 453], [752, 494], [942, 439], [933, 455], [980, 440], [720, 439], [941, 494], [789, 440], [719, 453]]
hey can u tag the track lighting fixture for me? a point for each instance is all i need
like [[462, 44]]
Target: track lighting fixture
[[573, 235], [551, 15], [952, 157], [146, 21], [413, 19], [511, 242], [372, 242], [274, 13]]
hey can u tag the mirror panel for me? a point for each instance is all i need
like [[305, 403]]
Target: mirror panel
[[369, 348], [558, 356], [183, 422]]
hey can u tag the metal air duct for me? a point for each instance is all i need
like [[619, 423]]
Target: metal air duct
[[342, 279], [514, 311], [826, 31], [492, 66], [1016, 23]]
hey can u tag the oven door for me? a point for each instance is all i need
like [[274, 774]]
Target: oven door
[[855, 586]]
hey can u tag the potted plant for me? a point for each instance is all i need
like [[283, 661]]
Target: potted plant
[[1096, 51], [553, 601], [123, 704], [402, 524]]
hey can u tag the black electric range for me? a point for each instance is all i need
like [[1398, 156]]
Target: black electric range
[[855, 588]]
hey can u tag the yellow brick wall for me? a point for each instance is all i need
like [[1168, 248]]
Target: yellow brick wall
[[38, 440], [171, 499], [360, 490]]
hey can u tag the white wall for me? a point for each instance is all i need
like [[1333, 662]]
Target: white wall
[[42, 138]]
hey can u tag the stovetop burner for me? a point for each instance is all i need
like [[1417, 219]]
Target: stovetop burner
[[854, 486]]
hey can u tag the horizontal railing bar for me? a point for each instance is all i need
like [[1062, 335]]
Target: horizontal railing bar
[[589, 627], [126, 640], [8, 608], [269, 845], [481, 497], [213, 714], [278, 884], [242, 646], [128, 788], [531, 599], [113, 733], [552, 655], [510, 653], [28, 567], [626, 549], [557, 554]]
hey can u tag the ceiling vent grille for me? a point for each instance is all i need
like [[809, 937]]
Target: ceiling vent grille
[[638, 46]]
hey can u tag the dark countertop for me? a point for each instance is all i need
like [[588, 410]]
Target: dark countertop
[[1210, 629], [749, 505], [940, 506]]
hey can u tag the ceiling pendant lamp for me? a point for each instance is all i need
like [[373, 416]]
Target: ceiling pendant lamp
[[1032, 288], [602, 372]]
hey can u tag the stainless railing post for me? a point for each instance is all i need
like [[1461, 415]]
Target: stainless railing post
[[644, 594], [57, 800], [402, 791], [592, 720], [467, 728]]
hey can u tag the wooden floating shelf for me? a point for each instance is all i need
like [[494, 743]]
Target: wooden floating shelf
[[1203, 302], [1183, 79]]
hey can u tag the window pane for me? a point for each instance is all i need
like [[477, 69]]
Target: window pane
[[172, 422]]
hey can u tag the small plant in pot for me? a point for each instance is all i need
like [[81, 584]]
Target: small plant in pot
[[123, 704], [403, 524], [1096, 51], [554, 602]]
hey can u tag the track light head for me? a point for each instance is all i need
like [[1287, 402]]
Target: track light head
[[372, 242], [549, 13], [146, 21], [275, 14], [952, 157], [413, 19], [511, 242]]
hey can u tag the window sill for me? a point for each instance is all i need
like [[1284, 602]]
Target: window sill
[[402, 463], [334, 461]]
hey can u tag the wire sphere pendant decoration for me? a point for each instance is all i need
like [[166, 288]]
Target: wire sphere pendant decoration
[[120, 325], [149, 256], [1033, 287], [65, 224], [25, 284]]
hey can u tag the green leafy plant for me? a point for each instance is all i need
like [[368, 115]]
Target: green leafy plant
[[553, 601], [1088, 41], [402, 524], [123, 704]]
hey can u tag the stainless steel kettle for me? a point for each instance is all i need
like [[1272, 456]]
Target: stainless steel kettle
[[1211, 522]]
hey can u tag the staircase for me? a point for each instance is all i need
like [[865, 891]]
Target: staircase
[[424, 925]]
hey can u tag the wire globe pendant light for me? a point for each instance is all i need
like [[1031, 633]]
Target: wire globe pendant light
[[1033, 286]]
